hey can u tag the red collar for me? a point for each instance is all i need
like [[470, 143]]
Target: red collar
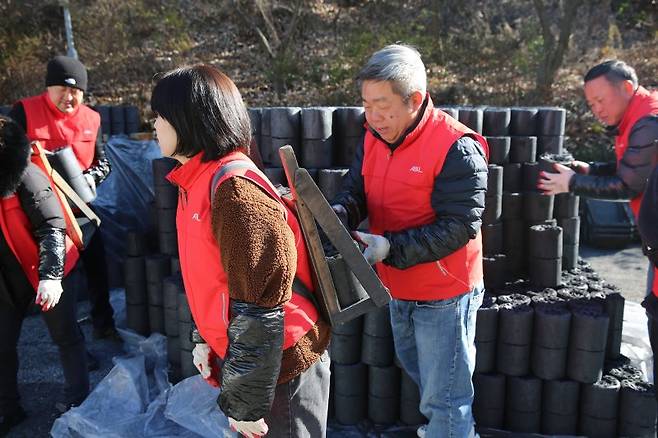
[[629, 114], [184, 175]]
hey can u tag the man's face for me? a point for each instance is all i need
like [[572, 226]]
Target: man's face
[[66, 99], [387, 112], [607, 100]]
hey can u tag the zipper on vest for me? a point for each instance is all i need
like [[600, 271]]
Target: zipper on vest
[[224, 311], [182, 196], [388, 166]]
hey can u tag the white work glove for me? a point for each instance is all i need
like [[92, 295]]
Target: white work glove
[[250, 429], [48, 293], [91, 182], [377, 247], [201, 359]]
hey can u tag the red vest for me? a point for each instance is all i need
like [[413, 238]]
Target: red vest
[[643, 104], [206, 282], [17, 230], [54, 128], [398, 187], [655, 281]]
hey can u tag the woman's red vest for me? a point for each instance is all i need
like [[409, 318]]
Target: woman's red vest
[[206, 282], [54, 128], [17, 229], [398, 187], [643, 104]]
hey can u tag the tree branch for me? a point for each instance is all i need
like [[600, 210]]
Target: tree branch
[[246, 17], [293, 24], [271, 30], [568, 18], [566, 25], [549, 40], [265, 42]]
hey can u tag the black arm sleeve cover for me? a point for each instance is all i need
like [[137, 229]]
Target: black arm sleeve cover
[[352, 195], [101, 166], [253, 361], [633, 169], [458, 200], [43, 210], [52, 245]]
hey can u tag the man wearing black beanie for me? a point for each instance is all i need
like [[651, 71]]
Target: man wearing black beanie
[[58, 118]]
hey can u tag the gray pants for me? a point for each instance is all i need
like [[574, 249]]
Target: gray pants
[[300, 406], [650, 274]]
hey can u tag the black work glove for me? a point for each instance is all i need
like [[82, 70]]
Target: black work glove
[[650, 304], [651, 253]]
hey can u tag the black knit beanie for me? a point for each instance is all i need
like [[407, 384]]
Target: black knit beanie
[[66, 71]]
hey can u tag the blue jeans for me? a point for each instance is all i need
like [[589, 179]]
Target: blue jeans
[[434, 342]]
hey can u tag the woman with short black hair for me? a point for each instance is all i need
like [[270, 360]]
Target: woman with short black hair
[[207, 110], [241, 249]]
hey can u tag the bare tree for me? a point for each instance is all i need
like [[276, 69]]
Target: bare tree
[[275, 35], [556, 42]]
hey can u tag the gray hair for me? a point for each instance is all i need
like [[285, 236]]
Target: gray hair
[[399, 64], [614, 70]]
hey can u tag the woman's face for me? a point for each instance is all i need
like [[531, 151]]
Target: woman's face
[[166, 135]]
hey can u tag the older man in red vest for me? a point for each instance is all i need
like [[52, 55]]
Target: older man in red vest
[[57, 118], [420, 177]]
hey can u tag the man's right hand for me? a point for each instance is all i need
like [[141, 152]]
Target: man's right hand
[[250, 429], [377, 247], [580, 167]]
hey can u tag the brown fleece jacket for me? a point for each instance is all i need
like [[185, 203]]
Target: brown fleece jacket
[[260, 259]]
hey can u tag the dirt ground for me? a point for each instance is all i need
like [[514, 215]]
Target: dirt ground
[[625, 268]]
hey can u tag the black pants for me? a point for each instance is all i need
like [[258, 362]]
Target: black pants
[[653, 339], [62, 324], [93, 259]]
